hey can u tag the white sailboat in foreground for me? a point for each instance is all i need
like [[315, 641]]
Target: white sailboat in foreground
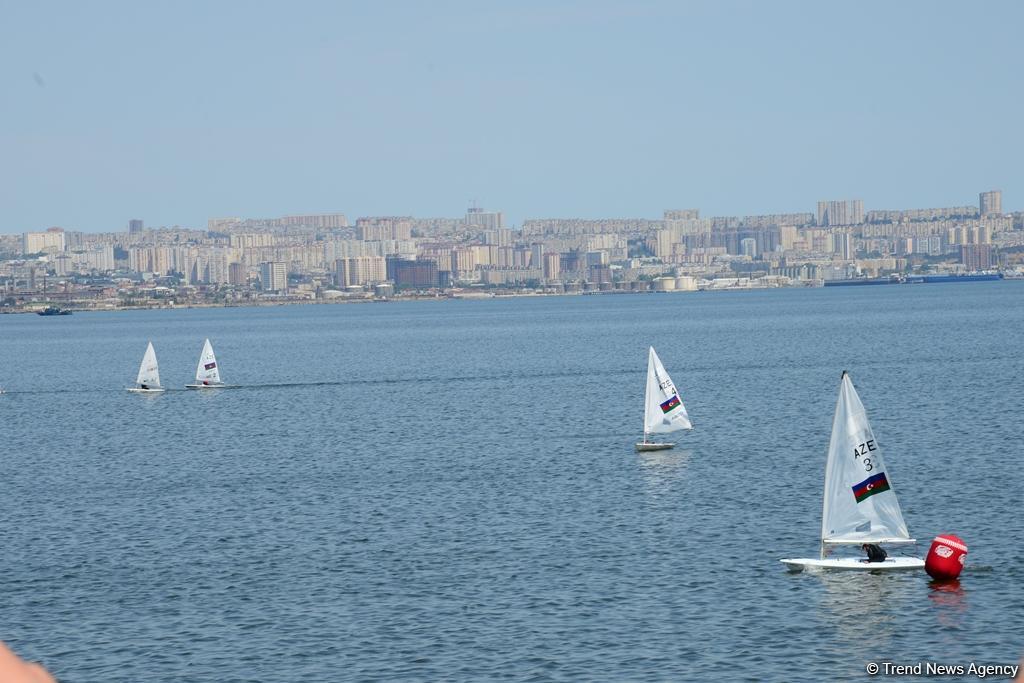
[[207, 372], [664, 411], [148, 381], [860, 504]]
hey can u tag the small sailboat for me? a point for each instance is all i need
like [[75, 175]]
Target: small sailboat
[[148, 381], [664, 411], [207, 372], [859, 506]]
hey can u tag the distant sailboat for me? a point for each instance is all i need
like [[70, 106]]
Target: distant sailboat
[[207, 372], [664, 411], [148, 381], [859, 504]]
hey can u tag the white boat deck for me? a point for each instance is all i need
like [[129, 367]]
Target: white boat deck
[[854, 564]]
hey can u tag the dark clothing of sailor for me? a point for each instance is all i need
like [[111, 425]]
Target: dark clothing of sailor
[[875, 553]]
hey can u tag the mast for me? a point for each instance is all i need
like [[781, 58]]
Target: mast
[[828, 466], [647, 388]]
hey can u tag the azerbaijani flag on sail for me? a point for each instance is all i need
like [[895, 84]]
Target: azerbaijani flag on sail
[[670, 404], [210, 366], [870, 487]]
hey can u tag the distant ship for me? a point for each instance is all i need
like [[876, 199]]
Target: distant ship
[[915, 279], [54, 310]]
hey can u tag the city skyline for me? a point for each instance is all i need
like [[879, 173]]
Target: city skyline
[[583, 109], [324, 257], [135, 224]]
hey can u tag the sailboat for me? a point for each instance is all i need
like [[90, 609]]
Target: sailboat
[[860, 504], [148, 381], [207, 372], [664, 411]]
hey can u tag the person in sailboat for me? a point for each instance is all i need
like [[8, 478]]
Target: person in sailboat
[[875, 552], [144, 386]]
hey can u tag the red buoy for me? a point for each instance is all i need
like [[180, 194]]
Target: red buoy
[[946, 557]]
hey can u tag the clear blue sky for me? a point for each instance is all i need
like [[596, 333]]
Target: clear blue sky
[[178, 111]]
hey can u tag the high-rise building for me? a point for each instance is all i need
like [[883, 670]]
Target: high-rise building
[[991, 203], [537, 254], [319, 220], [384, 228], [135, 226], [976, 256], [274, 276], [682, 214], [552, 265], [521, 257], [841, 212], [417, 273], [842, 245], [360, 270], [251, 240], [485, 220], [748, 247], [238, 274], [463, 262], [599, 273], [51, 241], [663, 243], [500, 237]]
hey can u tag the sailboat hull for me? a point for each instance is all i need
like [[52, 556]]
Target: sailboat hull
[[140, 390], [644, 447], [205, 386], [855, 564]]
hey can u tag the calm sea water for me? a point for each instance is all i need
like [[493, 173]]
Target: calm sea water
[[448, 490]]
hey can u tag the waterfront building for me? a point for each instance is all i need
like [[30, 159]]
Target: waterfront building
[[497, 275], [412, 273], [274, 276], [522, 256], [976, 256], [238, 274], [360, 270], [537, 254], [599, 273], [552, 266], [463, 262]]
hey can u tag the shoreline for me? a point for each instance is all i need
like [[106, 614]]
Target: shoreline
[[456, 296]]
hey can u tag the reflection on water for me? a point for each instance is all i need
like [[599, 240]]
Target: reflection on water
[[949, 600], [856, 604], [662, 469]]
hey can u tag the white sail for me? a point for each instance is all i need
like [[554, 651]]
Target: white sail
[[149, 373], [207, 371], [860, 504], [664, 411]]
